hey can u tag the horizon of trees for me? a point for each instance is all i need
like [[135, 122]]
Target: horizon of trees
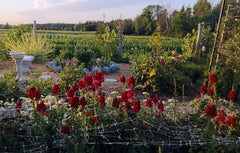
[[177, 24]]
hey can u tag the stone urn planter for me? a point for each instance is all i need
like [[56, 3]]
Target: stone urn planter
[[18, 59]]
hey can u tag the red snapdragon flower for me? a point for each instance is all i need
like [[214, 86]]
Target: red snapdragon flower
[[221, 117], [101, 99], [41, 107], [210, 92], [122, 79], [213, 78], [203, 89], [161, 106], [18, 106], [31, 93], [115, 103], [70, 93], [128, 105], [162, 62], [136, 106], [131, 82], [65, 129], [231, 95], [83, 102], [95, 119], [144, 126], [81, 84], [124, 96], [88, 80], [99, 76], [211, 111], [149, 103], [231, 121], [155, 99], [74, 88], [130, 95], [56, 89], [74, 102], [37, 94]]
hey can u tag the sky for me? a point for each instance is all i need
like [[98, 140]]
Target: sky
[[15, 12]]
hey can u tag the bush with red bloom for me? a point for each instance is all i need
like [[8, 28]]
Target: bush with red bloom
[[213, 78], [83, 102], [221, 117], [130, 95], [95, 119], [124, 96], [88, 80], [70, 93], [149, 103], [231, 95], [162, 62], [144, 126], [231, 121], [74, 88], [18, 106], [136, 106], [131, 82], [74, 102], [88, 113], [210, 92], [31, 92], [101, 99], [122, 79], [128, 105], [81, 84], [56, 89], [65, 129], [211, 111], [155, 99], [203, 89], [41, 107], [161, 106], [115, 103], [99, 76], [37, 94]]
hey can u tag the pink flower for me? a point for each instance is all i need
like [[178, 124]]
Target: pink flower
[[177, 57], [155, 54]]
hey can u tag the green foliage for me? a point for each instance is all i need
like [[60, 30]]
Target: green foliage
[[44, 85], [27, 43], [160, 74], [180, 25], [108, 43], [9, 88], [84, 57], [155, 41]]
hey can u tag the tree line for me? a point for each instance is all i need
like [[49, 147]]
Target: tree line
[[177, 24]]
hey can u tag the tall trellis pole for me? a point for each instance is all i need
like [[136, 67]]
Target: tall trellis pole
[[216, 36]]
